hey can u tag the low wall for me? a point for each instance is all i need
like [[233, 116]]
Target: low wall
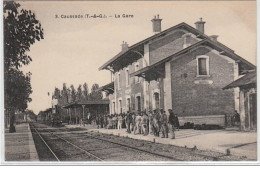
[[207, 119]]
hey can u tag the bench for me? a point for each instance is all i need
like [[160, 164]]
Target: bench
[[205, 119]]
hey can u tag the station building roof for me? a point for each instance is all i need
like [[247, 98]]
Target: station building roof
[[247, 81], [151, 72], [132, 54]]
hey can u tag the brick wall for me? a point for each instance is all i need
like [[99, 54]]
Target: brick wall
[[191, 99], [167, 46], [131, 90]]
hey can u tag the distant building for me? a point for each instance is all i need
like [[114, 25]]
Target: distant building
[[179, 68]]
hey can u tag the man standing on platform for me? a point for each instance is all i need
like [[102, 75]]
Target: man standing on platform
[[128, 121], [156, 123], [150, 118], [164, 124], [144, 124], [137, 124], [172, 123], [120, 121]]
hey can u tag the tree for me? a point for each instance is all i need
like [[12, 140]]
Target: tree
[[56, 94], [85, 91], [95, 93], [73, 94], [27, 116], [31, 114], [69, 95], [21, 30], [64, 95], [17, 91], [79, 94]]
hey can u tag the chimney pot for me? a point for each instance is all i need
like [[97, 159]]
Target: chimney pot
[[156, 22], [200, 25], [124, 46], [214, 37]]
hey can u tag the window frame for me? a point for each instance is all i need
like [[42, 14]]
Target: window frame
[[127, 83], [136, 101], [128, 106], [137, 79], [120, 105], [207, 65], [118, 81], [113, 106]]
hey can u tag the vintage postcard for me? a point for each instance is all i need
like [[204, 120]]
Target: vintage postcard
[[129, 82]]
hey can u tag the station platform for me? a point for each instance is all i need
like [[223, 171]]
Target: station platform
[[243, 144], [19, 146]]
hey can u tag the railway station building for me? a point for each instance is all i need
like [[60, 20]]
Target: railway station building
[[180, 68]]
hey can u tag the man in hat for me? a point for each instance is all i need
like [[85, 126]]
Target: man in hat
[[150, 120], [164, 126], [119, 121], [137, 124], [172, 123], [128, 121], [156, 122], [144, 123]]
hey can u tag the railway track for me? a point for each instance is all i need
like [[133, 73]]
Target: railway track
[[102, 147], [66, 141], [134, 148], [208, 157], [113, 145], [55, 156]]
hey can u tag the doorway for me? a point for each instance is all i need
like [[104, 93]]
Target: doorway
[[156, 98], [138, 99]]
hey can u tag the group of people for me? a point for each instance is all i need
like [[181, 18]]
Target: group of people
[[144, 123]]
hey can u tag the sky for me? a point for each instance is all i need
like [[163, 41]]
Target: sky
[[73, 49]]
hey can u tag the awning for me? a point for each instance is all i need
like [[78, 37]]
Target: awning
[[79, 104], [108, 88], [247, 81], [151, 72]]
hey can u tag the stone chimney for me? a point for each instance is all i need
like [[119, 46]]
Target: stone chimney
[[214, 37], [124, 46], [156, 24], [200, 25]]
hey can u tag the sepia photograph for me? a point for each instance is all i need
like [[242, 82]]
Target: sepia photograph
[[129, 83]]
